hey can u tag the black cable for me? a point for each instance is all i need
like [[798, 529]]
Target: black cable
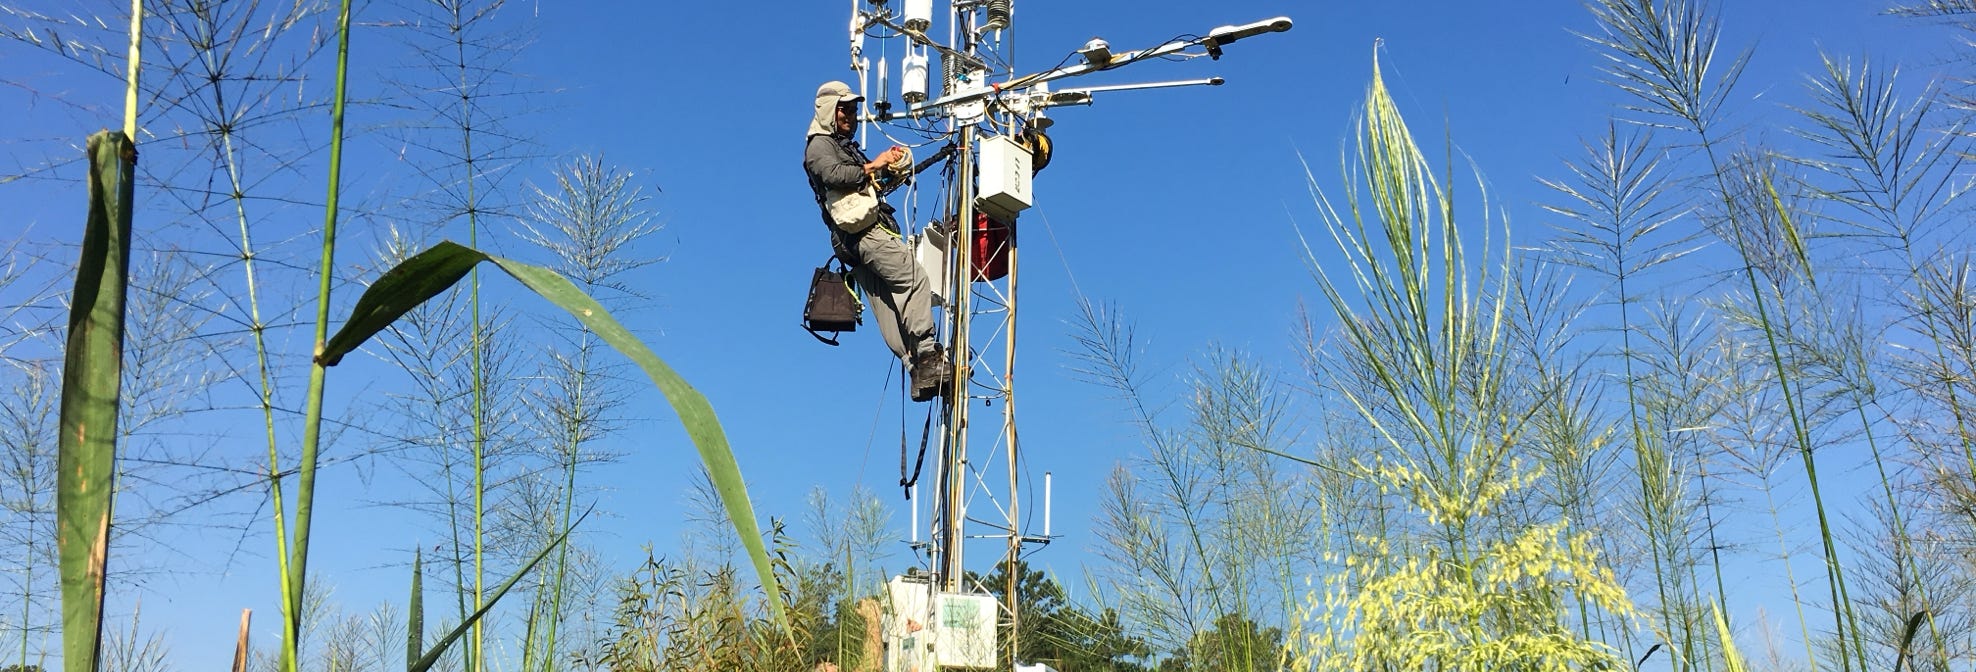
[[925, 430], [1053, 68]]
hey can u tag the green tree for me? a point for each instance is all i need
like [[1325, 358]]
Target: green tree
[[1052, 630], [1235, 642]]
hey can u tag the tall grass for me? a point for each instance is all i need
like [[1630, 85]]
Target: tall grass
[[465, 153], [1470, 388], [1889, 163], [92, 378], [1663, 53], [1571, 440], [1622, 229], [1463, 581], [27, 468], [1205, 533], [296, 572], [589, 223]]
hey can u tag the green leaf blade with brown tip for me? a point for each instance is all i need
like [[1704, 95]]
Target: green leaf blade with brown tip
[[92, 380]]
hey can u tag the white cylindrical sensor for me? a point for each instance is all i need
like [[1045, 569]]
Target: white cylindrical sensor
[[912, 78], [884, 86], [919, 14]]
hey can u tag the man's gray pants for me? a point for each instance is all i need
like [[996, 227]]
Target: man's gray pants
[[895, 288]]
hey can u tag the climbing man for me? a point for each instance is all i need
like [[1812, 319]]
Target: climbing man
[[864, 234]]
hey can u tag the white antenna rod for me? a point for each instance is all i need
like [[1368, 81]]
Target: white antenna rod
[[915, 508], [1046, 504], [857, 33], [864, 79]]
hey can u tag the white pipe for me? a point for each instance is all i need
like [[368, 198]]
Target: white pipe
[[1210, 81], [857, 29], [1046, 504], [915, 508], [883, 83], [864, 81]]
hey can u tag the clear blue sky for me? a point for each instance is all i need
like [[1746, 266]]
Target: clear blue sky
[[1177, 205]]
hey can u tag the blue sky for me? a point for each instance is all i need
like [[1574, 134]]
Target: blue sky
[[1179, 206]]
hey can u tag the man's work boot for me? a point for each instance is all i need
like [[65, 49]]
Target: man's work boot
[[931, 374]]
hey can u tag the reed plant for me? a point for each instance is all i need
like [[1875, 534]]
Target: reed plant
[[27, 313], [27, 468], [674, 616], [1205, 533], [1662, 54], [589, 223], [1889, 164], [431, 438], [129, 646], [1571, 440], [28, 402], [466, 155], [1461, 581], [1622, 228], [293, 542], [846, 575], [91, 380]]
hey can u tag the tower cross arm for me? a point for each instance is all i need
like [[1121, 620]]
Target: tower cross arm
[[1214, 40]]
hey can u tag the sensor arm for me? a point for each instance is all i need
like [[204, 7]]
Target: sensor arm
[[1215, 38], [1087, 90]]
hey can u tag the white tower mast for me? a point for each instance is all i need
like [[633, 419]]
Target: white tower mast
[[982, 101]]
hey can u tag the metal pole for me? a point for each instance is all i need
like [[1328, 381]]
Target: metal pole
[[955, 510], [966, 98], [1008, 439]]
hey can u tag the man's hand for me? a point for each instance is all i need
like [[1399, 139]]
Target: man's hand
[[886, 158]]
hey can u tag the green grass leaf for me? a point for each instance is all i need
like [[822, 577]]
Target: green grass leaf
[[92, 379], [433, 271], [1732, 660], [431, 657], [415, 613]]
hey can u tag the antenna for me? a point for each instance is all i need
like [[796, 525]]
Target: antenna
[[994, 120]]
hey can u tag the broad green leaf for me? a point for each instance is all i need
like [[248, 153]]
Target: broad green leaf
[[432, 657], [397, 292], [435, 270], [92, 379]]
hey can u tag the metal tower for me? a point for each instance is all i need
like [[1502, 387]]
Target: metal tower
[[966, 91]]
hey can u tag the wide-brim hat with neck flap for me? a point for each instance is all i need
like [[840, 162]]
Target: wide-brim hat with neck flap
[[828, 97]]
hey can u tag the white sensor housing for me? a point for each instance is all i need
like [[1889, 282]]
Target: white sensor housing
[[912, 78], [919, 14], [1005, 177]]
